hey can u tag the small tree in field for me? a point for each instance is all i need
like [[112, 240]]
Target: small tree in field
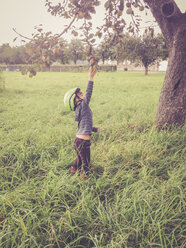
[[118, 53], [75, 51], [60, 52], [103, 50], [171, 108], [146, 49], [5, 54]]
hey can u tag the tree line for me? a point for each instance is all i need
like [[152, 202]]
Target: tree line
[[145, 50]]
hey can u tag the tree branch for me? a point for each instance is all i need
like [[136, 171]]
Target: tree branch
[[57, 36], [167, 23], [66, 29], [21, 35]]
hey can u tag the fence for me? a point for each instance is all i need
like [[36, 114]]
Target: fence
[[61, 68]]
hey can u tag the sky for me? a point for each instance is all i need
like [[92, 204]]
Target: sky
[[23, 15]]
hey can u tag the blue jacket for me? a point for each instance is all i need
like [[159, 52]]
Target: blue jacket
[[83, 113]]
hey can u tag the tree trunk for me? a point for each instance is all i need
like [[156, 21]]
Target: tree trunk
[[172, 103], [146, 70]]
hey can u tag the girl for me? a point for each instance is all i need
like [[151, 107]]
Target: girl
[[77, 101]]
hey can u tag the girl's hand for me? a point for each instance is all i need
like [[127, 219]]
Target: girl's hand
[[98, 130]]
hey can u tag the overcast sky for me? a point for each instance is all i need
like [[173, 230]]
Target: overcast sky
[[25, 14]]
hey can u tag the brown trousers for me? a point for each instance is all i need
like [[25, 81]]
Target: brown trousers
[[82, 148]]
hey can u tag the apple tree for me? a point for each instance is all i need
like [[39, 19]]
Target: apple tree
[[146, 49], [172, 22]]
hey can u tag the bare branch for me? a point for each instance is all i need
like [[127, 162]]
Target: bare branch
[[66, 29], [21, 35]]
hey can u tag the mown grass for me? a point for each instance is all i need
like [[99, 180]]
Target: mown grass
[[135, 196]]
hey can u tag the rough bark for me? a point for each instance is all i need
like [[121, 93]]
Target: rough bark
[[172, 103]]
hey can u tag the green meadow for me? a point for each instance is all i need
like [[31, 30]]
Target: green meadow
[[135, 195]]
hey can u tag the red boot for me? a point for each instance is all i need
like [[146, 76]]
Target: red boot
[[73, 171]]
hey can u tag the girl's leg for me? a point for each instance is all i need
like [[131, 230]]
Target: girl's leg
[[82, 161], [85, 157], [77, 163]]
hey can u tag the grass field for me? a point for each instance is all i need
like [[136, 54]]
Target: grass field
[[135, 196]]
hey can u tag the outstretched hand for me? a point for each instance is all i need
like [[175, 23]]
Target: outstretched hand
[[98, 130], [92, 72]]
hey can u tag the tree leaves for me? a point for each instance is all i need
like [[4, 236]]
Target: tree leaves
[[43, 44]]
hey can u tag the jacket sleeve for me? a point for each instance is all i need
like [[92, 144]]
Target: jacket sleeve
[[78, 113], [94, 129], [88, 92]]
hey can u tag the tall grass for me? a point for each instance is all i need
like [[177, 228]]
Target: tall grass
[[135, 195]]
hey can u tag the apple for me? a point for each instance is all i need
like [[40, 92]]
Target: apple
[[129, 11], [128, 5], [75, 33], [120, 12], [141, 8], [136, 5], [81, 15]]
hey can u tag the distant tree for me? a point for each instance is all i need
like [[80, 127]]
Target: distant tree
[[103, 51], [18, 55], [116, 54], [60, 52], [5, 53], [145, 49], [125, 49], [12, 55], [76, 50], [164, 52], [63, 52]]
